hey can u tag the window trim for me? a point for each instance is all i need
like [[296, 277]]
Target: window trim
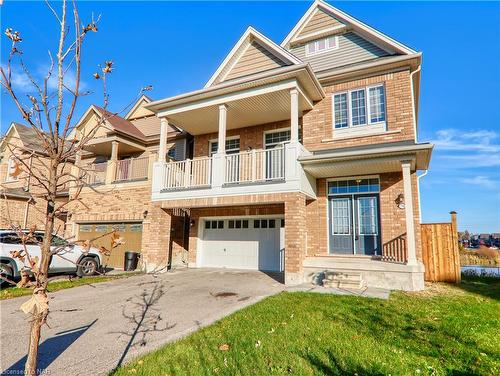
[[366, 89], [315, 41]]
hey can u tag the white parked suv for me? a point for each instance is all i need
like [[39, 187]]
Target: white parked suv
[[89, 263]]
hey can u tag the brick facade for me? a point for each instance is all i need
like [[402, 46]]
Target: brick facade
[[306, 220], [318, 129], [392, 218]]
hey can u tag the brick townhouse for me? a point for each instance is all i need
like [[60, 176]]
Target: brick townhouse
[[117, 164]]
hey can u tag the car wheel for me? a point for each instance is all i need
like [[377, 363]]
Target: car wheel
[[5, 270], [87, 267]]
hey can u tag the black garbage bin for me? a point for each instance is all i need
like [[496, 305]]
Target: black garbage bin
[[131, 260]]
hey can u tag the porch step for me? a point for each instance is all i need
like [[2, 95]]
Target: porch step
[[344, 280]]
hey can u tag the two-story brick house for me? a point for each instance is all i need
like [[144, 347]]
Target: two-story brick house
[[117, 165], [305, 157]]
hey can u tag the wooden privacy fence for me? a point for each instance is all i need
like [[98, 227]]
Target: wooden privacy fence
[[440, 251]]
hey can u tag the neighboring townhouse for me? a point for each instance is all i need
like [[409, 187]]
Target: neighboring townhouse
[[117, 163], [305, 158], [21, 203]]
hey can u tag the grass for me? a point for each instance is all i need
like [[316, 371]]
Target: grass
[[445, 330], [14, 292]]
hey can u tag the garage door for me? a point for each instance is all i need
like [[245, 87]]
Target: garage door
[[243, 243], [131, 233]]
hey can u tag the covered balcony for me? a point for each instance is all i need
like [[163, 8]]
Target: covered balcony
[[280, 96], [118, 167]]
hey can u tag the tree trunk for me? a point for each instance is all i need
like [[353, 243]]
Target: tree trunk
[[32, 359], [39, 318]]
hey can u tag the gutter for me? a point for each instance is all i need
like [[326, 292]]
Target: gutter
[[360, 153], [329, 74]]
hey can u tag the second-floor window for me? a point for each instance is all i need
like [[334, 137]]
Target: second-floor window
[[359, 107], [11, 169]]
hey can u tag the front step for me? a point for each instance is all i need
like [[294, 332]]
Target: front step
[[344, 280]]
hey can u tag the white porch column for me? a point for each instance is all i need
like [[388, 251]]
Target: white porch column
[[112, 163], [162, 151], [222, 129], [219, 158], [294, 115], [410, 224]]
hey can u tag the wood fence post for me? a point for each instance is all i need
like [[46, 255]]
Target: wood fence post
[[456, 252]]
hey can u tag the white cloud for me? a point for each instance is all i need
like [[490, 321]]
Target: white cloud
[[69, 81], [457, 140], [482, 181], [470, 160], [20, 81]]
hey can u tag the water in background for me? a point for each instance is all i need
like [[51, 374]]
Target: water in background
[[481, 270]]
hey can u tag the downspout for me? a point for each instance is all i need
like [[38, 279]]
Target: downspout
[[418, 191], [414, 112], [413, 102]]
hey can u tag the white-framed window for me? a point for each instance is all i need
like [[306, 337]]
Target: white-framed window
[[273, 139], [322, 45], [232, 146], [359, 107], [11, 168]]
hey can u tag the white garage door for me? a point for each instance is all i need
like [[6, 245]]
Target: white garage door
[[243, 243]]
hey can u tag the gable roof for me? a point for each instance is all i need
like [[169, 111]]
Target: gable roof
[[344, 19], [143, 99], [27, 135], [249, 37], [120, 124]]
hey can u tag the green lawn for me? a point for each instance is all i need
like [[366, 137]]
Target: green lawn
[[14, 292], [445, 330]]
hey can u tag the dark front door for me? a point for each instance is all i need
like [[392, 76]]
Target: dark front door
[[354, 224]]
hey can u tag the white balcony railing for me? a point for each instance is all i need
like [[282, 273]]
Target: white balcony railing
[[132, 169], [233, 174], [255, 166], [96, 173], [191, 173]]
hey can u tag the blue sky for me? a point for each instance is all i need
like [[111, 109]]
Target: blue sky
[[176, 47]]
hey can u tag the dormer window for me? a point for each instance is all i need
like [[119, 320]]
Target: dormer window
[[322, 45]]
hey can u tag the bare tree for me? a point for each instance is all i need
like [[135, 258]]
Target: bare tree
[[49, 114]]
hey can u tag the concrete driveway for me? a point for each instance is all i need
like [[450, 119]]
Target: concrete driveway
[[94, 328]]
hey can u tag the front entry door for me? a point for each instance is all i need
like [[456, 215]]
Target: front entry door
[[354, 224]]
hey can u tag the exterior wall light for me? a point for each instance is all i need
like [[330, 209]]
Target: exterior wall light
[[145, 214], [400, 201], [191, 223]]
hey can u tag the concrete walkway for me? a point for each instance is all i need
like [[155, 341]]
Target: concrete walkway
[[94, 328]]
